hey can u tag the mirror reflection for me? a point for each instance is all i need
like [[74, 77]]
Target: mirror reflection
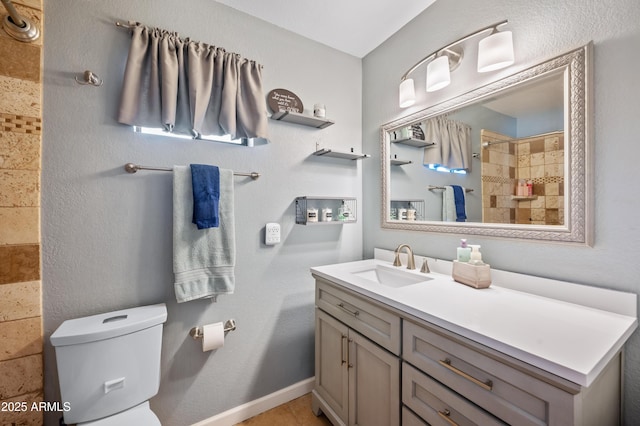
[[507, 159], [506, 153]]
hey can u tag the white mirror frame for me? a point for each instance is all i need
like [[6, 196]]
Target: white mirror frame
[[577, 68]]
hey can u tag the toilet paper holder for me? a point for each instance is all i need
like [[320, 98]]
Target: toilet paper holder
[[229, 325]]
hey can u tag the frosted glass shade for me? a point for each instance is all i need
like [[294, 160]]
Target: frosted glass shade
[[495, 52], [438, 74], [407, 93]]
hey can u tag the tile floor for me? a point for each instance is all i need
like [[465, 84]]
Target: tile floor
[[294, 413]]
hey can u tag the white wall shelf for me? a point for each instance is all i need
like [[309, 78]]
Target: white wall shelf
[[398, 162], [341, 154], [305, 120], [417, 205], [343, 210], [418, 143]]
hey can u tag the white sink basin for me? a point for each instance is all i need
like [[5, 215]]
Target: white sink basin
[[391, 276]]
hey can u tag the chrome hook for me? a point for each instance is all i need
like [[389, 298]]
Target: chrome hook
[[90, 78]]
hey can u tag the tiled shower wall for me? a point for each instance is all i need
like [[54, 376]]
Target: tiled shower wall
[[539, 159], [20, 280]]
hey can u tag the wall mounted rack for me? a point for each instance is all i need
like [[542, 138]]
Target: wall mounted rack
[[305, 120]]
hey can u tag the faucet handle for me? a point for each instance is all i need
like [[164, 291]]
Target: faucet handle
[[425, 266]]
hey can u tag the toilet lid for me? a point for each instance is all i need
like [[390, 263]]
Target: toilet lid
[[140, 415]]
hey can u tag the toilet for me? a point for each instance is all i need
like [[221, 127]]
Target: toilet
[[109, 366]]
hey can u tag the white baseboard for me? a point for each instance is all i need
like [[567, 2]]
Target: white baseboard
[[260, 405]]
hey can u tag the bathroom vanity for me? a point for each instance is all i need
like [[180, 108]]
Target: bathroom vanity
[[395, 346]]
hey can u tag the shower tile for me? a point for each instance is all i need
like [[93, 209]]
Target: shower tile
[[26, 418], [19, 150], [19, 301], [26, 62], [538, 159], [19, 263], [20, 376], [20, 97], [20, 225], [20, 338], [537, 146], [19, 188]]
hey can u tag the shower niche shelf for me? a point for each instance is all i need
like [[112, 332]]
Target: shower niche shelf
[[524, 197], [309, 207], [305, 120]]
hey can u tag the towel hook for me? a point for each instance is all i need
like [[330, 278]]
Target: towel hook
[[90, 79]]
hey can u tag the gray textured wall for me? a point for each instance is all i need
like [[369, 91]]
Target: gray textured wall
[[541, 30], [107, 235]]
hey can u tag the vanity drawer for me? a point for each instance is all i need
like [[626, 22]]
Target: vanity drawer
[[379, 325], [410, 419], [512, 395], [437, 404]]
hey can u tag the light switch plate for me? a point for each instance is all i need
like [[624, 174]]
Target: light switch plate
[[272, 234]]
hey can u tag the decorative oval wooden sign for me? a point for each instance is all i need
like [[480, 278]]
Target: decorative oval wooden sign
[[284, 100]]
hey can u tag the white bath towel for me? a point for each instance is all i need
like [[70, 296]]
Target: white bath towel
[[203, 259], [448, 205]]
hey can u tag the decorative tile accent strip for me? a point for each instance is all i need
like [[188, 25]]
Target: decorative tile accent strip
[[20, 124]]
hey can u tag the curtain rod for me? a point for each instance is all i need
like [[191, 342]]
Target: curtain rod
[[517, 140], [132, 26], [132, 168]]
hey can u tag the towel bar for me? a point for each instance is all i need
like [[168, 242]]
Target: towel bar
[[229, 325], [132, 168], [432, 187]]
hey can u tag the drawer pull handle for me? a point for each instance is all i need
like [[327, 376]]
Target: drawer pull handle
[[488, 385], [445, 415], [354, 313]]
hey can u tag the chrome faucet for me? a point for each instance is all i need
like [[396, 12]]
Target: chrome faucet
[[411, 263]]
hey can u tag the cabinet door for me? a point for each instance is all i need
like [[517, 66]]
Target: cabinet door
[[374, 384], [332, 378]]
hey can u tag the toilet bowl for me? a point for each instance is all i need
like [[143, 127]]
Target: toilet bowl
[[109, 366]]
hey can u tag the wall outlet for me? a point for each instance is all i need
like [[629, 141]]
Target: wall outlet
[[272, 234]]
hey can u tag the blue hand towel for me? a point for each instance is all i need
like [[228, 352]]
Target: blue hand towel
[[458, 195], [205, 181]]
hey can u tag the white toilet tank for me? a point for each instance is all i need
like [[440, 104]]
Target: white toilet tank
[[110, 362]]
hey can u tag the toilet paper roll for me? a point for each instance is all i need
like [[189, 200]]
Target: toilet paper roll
[[212, 336]]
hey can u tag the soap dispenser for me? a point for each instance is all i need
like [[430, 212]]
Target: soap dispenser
[[476, 256], [464, 252]]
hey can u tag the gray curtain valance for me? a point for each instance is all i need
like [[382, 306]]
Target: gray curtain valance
[[189, 87], [452, 147]]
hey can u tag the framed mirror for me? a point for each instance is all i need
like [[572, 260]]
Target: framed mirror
[[525, 165]]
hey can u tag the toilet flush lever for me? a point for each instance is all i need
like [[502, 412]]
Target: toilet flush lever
[[114, 384]]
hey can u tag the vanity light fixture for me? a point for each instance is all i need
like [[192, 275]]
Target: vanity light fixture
[[494, 52]]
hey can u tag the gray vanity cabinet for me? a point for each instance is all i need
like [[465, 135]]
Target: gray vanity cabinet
[[362, 345], [357, 381]]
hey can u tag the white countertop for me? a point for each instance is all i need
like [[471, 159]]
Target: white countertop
[[567, 339]]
